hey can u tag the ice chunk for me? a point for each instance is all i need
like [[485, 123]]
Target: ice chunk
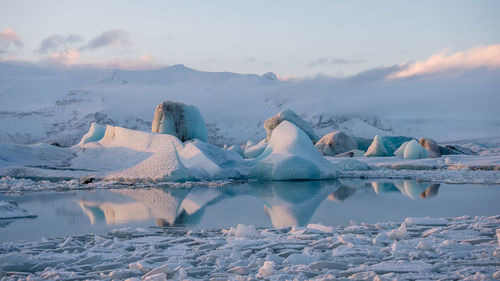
[[207, 161], [236, 148], [385, 146], [266, 269], [134, 155], [254, 151], [291, 155], [431, 146], [95, 133], [246, 231], [413, 150], [335, 143], [10, 210], [400, 152], [181, 120], [292, 117]]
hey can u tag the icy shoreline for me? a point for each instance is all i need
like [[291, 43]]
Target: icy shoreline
[[463, 248]]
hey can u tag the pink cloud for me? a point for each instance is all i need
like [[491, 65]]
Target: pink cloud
[[9, 37], [66, 58], [481, 56]]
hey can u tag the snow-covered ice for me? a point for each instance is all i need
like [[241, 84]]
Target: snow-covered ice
[[418, 249]]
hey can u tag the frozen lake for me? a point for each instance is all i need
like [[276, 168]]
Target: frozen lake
[[263, 204]]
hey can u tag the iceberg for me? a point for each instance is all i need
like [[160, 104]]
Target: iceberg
[[95, 133], [385, 145], [431, 146], [335, 143], [124, 154], [181, 120], [292, 117], [412, 150], [207, 161], [290, 155]]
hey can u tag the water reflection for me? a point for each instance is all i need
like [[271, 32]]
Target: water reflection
[[286, 203]]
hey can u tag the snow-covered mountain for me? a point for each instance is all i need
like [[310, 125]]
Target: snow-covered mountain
[[40, 105]]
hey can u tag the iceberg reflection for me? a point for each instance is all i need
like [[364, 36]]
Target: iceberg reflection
[[287, 203]]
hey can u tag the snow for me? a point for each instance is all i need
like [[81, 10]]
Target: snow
[[291, 155], [352, 252], [181, 120], [336, 143], [292, 117], [10, 210]]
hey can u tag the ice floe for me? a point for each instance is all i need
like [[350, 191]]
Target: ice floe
[[425, 249]]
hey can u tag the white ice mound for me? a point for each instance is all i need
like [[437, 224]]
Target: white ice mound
[[95, 133], [335, 143], [292, 117], [290, 155], [207, 161], [134, 155], [411, 150], [181, 120]]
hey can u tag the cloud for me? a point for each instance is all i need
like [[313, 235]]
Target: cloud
[[63, 58], [478, 57], [8, 37], [327, 62], [115, 37], [59, 42]]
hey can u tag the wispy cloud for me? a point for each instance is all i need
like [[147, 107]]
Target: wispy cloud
[[58, 42], [8, 38], [327, 62], [116, 37], [482, 56]]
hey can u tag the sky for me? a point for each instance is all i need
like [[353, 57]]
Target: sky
[[289, 38]]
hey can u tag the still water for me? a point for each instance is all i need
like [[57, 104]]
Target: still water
[[263, 204]]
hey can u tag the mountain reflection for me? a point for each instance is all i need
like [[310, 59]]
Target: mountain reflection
[[287, 203]]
